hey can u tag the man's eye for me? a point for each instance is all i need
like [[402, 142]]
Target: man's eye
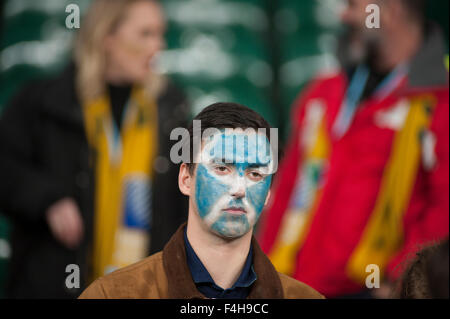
[[221, 169], [255, 176]]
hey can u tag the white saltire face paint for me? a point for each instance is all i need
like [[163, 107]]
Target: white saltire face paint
[[232, 181]]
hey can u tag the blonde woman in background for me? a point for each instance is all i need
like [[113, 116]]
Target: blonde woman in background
[[84, 167]]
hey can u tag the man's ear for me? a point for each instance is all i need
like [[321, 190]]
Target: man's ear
[[185, 180]]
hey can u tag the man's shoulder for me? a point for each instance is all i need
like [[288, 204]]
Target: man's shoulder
[[294, 289], [144, 279]]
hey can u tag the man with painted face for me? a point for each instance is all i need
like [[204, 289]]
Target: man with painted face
[[227, 178]]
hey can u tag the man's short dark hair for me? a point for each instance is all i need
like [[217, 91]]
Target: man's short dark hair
[[226, 115]]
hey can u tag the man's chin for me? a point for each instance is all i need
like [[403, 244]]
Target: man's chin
[[230, 231]]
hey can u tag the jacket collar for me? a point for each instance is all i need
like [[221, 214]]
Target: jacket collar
[[181, 285]]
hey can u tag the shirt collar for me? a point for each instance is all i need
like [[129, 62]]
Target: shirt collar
[[201, 275]]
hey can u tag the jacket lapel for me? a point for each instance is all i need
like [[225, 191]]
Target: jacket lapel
[[180, 283], [267, 284]]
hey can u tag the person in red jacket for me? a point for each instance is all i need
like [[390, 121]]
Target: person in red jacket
[[365, 178]]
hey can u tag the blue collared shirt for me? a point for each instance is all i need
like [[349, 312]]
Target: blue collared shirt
[[206, 285]]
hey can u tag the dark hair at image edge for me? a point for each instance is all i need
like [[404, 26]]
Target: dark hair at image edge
[[427, 275]]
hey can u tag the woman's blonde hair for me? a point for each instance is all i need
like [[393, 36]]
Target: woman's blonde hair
[[102, 18]]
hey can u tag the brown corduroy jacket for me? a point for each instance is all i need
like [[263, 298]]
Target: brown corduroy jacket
[[167, 275]]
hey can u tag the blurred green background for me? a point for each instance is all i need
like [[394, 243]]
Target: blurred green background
[[256, 52]]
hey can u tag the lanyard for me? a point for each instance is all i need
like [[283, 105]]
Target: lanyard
[[356, 90], [113, 133]]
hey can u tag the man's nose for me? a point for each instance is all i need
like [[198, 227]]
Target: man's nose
[[238, 188]]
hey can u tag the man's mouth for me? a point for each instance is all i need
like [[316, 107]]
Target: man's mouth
[[235, 210]]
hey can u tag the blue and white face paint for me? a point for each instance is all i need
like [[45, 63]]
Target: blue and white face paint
[[233, 179]]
